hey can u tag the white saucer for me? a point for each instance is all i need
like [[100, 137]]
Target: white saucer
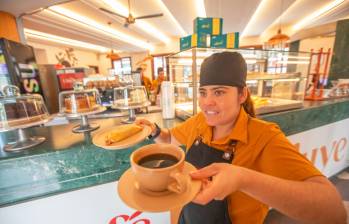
[[140, 201]]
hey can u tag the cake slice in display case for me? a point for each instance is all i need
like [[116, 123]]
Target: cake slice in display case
[[81, 103], [18, 112]]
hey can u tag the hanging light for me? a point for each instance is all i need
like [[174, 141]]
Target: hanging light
[[279, 39], [112, 55]]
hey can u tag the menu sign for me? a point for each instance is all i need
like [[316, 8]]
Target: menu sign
[[21, 66]]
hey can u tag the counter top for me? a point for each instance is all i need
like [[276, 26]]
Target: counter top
[[68, 161]]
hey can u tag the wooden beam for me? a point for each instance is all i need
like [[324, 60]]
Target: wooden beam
[[8, 27]]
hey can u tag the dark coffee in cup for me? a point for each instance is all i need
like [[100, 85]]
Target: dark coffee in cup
[[146, 164], [158, 160]]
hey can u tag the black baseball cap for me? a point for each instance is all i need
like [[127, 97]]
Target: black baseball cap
[[224, 68]]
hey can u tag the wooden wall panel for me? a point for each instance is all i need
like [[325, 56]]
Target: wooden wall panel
[[8, 26]]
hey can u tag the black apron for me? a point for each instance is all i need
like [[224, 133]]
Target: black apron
[[216, 211]]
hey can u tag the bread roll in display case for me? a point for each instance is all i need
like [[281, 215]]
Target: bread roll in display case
[[276, 79]]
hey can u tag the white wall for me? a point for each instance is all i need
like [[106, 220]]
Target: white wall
[[45, 54], [171, 47], [104, 64], [85, 58], [316, 43]]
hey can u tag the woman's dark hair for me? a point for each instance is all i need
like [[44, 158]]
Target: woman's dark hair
[[248, 104]]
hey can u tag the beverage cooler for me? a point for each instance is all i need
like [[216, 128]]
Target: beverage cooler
[[18, 67]]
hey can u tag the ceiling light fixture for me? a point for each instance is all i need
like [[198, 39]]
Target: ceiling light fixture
[[167, 12], [200, 8], [279, 40], [145, 26], [255, 17], [305, 21], [99, 27], [62, 40]]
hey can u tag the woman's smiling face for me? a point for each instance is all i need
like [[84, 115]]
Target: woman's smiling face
[[220, 104]]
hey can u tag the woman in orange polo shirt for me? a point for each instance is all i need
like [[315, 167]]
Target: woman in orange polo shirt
[[247, 165]]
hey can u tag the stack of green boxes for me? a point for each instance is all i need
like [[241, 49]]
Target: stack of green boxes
[[208, 33]]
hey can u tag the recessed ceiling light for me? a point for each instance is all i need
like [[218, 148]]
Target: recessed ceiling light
[[92, 24], [167, 12], [200, 8], [255, 17], [305, 21], [62, 40]]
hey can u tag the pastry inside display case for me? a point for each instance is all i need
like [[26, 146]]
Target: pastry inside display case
[[80, 103], [104, 85], [18, 112], [77, 102], [21, 110], [276, 79], [340, 89], [130, 96]]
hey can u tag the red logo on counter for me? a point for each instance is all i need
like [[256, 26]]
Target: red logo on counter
[[129, 219]]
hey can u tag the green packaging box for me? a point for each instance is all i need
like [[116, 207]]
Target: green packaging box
[[229, 40], [212, 26], [195, 40]]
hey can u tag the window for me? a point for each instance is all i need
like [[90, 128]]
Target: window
[[122, 66], [159, 62]]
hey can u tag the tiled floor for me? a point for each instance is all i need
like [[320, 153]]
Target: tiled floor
[[341, 181]]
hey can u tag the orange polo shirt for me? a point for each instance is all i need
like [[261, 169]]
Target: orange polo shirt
[[262, 147]]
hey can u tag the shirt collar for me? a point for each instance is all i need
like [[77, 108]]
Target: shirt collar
[[239, 131]]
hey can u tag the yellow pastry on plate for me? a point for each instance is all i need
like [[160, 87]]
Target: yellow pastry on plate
[[122, 133], [258, 101]]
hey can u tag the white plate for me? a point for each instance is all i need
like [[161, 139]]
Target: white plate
[[99, 138]]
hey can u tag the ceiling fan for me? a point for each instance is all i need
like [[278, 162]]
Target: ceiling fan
[[130, 19]]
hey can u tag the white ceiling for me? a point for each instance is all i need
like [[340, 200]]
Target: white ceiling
[[237, 15]]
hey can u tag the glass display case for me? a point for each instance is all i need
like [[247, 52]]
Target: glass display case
[[77, 102], [130, 98], [19, 112], [276, 79], [80, 103]]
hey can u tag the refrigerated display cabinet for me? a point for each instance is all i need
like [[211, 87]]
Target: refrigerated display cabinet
[[276, 79]]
